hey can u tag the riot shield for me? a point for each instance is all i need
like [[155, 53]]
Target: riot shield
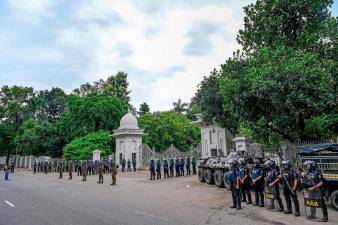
[[312, 205], [270, 199]]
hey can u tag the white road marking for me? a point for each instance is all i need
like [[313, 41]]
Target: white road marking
[[151, 215], [9, 203], [140, 213]]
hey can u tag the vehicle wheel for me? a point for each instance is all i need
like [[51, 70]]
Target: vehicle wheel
[[226, 181], [209, 176], [219, 178], [334, 199], [201, 175]]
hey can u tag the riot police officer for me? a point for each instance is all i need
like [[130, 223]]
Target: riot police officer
[[166, 169], [152, 169], [193, 163], [244, 175], [272, 180], [177, 168], [171, 167], [158, 169], [70, 169], [312, 180], [234, 181], [257, 176], [289, 180], [187, 166], [182, 167]]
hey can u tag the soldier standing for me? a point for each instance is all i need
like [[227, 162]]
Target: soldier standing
[[187, 166], [244, 176], [152, 169], [45, 167], [272, 181], [134, 165], [70, 169], [60, 168], [171, 167], [34, 166], [193, 163], [50, 166], [84, 171], [257, 176], [289, 180], [166, 169], [12, 166], [182, 166], [113, 173], [101, 171], [158, 169], [234, 181]]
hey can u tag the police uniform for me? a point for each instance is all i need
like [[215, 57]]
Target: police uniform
[[245, 187], [289, 176], [193, 163], [171, 167], [314, 177], [60, 169], [84, 171], [166, 169], [234, 187], [182, 167], [272, 175], [177, 168], [152, 169], [187, 166], [258, 186], [158, 169]]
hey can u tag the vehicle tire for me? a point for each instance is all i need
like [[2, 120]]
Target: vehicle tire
[[226, 181], [334, 199], [219, 178], [201, 175], [209, 176]]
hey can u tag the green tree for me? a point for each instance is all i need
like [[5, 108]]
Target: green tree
[[116, 86], [144, 108], [166, 128], [89, 114], [298, 24], [179, 106], [81, 148]]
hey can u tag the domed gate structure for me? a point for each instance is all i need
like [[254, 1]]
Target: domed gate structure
[[129, 141]]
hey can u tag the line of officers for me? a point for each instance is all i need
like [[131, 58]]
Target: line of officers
[[82, 168], [181, 166], [53, 166], [242, 180]]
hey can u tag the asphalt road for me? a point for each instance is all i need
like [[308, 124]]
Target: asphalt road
[[40, 199]]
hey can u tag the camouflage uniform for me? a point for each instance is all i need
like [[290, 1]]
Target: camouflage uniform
[[84, 171], [101, 170], [60, 169], [70, 169], [113, 173]]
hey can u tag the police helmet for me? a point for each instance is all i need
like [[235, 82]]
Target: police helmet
[[233, 161], [286, 162]]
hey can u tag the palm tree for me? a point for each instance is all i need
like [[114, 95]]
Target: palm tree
[[180, 106]]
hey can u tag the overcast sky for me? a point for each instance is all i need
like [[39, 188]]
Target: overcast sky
[[166, 47]]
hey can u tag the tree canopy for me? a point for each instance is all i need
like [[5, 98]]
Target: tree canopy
[[283, 83], [81, 148], [166, 128]]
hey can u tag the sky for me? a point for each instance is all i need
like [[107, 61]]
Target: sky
[[165, 46]]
